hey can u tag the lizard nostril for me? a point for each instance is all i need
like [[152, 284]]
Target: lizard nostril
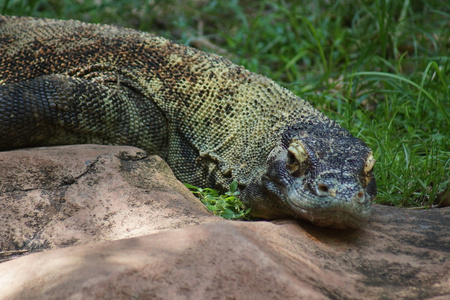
[[325, 190], [360, 197], [322, 187]]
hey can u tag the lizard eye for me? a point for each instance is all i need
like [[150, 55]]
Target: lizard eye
[[370, 162], [296, 158]]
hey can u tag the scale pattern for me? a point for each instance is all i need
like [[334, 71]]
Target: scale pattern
[[66, 82]]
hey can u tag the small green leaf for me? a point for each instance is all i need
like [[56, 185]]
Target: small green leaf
[[233, 186], [212, 208], [190, 186]]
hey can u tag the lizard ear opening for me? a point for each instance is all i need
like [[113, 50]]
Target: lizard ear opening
[[296, 158]]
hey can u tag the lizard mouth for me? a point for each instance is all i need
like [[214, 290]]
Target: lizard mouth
[[345, 208], [339, 218]]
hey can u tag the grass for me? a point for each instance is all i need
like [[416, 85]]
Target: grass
[[226, 205], [380, 68]]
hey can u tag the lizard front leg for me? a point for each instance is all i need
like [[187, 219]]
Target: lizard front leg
[[60, 109]]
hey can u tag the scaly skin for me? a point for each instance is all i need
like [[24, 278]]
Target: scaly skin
[[68, 82]]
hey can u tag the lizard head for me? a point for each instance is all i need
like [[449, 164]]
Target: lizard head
[[325, 177]]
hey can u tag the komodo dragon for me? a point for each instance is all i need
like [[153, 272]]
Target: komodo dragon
[[68, 82]]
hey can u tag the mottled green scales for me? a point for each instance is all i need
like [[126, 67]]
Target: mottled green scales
[[68, 82]]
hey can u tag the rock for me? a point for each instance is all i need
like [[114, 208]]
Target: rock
[[61, 196], [399, 254]]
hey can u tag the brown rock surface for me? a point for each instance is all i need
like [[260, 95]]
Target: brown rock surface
[[399, 254], [60, 196]]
